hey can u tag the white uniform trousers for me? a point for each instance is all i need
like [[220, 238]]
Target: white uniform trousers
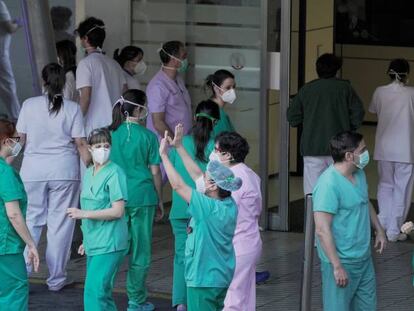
[[47, 205], [394, 194], [8, 95], [313, 167], [241, 294]]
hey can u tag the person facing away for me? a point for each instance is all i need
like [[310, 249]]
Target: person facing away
[[131, 59], [222, 86], [66, 53], [135, 150], [394, 148], [343, 217], [209, 251], [8, 93], [61, 21], [324, 107], [99, 79], [52, 129], [199, 145], [169, 102]]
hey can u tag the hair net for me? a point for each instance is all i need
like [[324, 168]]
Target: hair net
[[223, 176]]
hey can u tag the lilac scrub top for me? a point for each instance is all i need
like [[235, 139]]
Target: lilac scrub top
[[248, 198], [172, 98]]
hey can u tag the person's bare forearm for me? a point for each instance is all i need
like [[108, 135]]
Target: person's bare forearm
[[328, 245], [190, 165], [16, 219], [161, 127], [374, 220], [156, 176]]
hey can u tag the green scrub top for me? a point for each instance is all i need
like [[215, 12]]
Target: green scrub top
[[134, 151], [99, 192], [209, 252], [349, 205], [224, 124], [11, 189], [179, 208]]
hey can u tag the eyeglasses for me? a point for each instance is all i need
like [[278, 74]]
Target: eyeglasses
[[15, 138]]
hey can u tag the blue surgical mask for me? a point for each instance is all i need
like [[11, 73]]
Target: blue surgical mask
[[363, 160]]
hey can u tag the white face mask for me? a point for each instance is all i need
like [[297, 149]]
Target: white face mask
[[15, 150], [229, 96], [200, 184], [140, 68], [100, 155], [215, 157]]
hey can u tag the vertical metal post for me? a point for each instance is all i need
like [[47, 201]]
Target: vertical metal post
[[284, 104], [39, 37], [308, 256], [264, 115]]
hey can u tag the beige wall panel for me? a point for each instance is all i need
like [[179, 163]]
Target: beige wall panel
[[318, 42], [376, 52], [319, 14], [294, 64]]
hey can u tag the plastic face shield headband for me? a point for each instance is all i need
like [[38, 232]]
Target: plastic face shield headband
[[122, 100], [93, 28], [397, 74]]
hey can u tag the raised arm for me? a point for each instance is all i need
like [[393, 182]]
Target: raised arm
[[177, 183], [190, 165]]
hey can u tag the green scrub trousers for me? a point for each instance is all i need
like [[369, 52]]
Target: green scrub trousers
[[14, 287], [140, 221], [101, 271], [358, 295], [206, 298], [179, 295]]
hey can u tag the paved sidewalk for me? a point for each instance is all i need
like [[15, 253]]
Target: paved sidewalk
[[282, 256]]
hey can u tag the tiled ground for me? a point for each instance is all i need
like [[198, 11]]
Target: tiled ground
[[282, 255]]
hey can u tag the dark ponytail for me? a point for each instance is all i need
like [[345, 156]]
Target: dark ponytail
[[216, 78], [206, 112], [127, 53], [123, 109], [54, 79]]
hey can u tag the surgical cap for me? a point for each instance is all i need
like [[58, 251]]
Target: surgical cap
[[223, 176]]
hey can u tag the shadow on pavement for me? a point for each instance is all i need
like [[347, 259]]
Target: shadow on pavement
[[71, 299]]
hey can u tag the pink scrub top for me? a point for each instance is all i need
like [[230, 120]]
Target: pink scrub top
[[249, 202]]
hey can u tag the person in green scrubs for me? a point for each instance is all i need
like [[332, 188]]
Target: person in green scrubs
[[198, 145], [209, 251], [104, 225], [343, 218], [14, 234], [135, 150], [222, 87]]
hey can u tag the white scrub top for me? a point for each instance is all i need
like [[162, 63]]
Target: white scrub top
[[5, 37], [50, 152], [394, 139], [69, 91], [132, 82], [106, 78]]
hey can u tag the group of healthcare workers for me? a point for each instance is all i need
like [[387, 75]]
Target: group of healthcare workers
[[95, 112]]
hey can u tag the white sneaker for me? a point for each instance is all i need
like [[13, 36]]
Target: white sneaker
[[399, 237]]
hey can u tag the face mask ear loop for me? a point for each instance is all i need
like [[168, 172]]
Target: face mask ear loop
[[128, 122]]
